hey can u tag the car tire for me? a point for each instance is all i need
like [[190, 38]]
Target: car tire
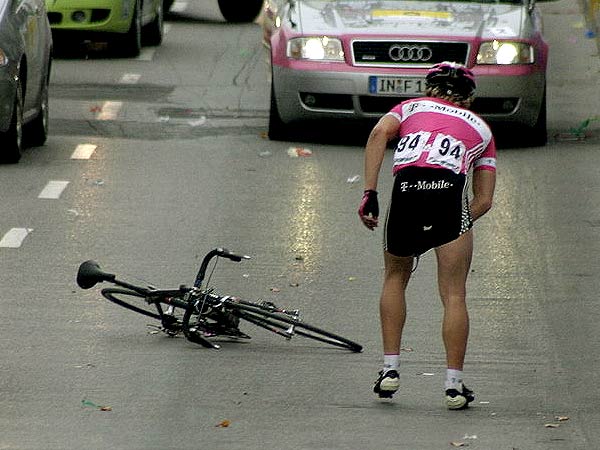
[[240, 11], [36, 131], [131, 43], [12, 139], [538, 134], [152, 34], [278, 130]]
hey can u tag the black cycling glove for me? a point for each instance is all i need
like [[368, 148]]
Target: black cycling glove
[[369, 204]]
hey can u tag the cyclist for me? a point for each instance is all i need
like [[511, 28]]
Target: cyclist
[[441, 144]]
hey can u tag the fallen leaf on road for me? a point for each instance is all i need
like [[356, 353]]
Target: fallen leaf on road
[[223, 424], [93, 405], [458, 444], [197, 122], [87, 365], [295, 152]]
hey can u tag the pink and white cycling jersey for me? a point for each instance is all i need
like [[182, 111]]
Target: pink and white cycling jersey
[[436, 133]]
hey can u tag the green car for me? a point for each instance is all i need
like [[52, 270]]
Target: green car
[[128, 23]]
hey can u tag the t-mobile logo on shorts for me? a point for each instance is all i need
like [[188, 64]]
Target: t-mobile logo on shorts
[[425, 185]]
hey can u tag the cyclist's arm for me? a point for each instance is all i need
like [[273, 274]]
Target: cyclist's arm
[[385, 130], [484, 183]]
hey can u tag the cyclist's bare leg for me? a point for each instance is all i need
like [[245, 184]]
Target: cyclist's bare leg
[[392, 304], [454, 261]]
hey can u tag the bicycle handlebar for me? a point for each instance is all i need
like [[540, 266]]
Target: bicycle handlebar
[[219, 252]]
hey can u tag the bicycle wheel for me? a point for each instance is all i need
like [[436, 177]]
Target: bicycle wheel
[[287, 326], [170, 321], [126, 299]]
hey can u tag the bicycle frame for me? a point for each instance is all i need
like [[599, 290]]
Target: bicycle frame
[[214, 315]]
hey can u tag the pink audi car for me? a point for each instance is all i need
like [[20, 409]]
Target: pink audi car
[[356, 59]]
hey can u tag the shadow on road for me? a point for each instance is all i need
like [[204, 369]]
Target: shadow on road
[[356, 134]]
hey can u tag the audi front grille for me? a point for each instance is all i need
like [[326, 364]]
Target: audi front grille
[[407, 53]]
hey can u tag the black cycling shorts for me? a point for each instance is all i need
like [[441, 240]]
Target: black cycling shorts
[[429, 208]]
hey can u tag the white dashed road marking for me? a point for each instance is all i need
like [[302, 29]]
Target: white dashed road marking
[[53, 189], [130, 78], [109, 111], [83, 151], [179, 6], [14, 238]]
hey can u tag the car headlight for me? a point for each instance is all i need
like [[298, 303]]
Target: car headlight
[[505, 52], [320, 48]]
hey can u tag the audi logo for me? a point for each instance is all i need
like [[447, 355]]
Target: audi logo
[[415, 53]]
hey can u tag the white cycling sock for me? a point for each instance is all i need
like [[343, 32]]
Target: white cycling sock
[[391, 362], [454, 379]]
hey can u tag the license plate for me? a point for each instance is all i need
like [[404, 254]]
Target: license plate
[[396, 85]]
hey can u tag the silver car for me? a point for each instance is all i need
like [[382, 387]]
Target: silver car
[[349, 59], [25, 61]]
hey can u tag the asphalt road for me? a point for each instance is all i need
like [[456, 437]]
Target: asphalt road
[[154, 161]]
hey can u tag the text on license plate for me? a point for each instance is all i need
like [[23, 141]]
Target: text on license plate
[[396, 85]]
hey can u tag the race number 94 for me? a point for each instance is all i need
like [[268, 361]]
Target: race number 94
[[410, 147], [447, 151]]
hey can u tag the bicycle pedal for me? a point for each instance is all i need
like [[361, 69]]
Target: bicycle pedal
[[207, 334], [198, 338]]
